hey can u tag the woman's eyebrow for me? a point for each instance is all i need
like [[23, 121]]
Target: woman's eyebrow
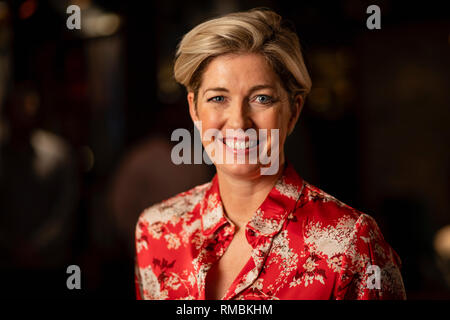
[[252, 89], [216, 89], [260, 87]]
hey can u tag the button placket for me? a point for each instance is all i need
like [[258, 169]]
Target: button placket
[[213, 249], [261, 247]]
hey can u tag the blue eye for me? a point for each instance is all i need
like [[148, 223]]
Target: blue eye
[[217, 99], [264, 99]]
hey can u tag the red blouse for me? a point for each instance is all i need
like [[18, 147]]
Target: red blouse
[[306, 245]]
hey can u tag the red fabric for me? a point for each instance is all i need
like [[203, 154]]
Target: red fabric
[[306, 245]]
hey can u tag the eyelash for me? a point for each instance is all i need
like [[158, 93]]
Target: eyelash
[[270, 99], [212, 99]]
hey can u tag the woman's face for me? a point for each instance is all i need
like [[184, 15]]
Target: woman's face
[[241, 91]]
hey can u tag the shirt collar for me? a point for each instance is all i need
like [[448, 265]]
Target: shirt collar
[[268, 218]]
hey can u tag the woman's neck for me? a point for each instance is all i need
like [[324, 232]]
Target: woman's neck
[[241, 197]]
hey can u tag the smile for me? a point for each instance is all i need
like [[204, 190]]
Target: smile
[[240, 145]]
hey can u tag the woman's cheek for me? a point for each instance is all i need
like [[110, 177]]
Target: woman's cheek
[[210, 119]]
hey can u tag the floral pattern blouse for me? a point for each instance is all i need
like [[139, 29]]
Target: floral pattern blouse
[[306, 245]]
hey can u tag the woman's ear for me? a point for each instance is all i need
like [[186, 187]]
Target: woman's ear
[[295, 114], [192, 107]]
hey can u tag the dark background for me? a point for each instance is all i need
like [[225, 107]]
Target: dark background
[[87, 115]]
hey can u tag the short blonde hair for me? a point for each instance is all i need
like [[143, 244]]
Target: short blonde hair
[[255, 31]]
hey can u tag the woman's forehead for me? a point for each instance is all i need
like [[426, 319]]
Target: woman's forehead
[[245, 70]]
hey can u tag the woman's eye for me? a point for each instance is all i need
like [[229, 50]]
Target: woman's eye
[[217, 99], [264, 99]]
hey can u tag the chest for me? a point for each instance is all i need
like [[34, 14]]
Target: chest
[[223, 273]]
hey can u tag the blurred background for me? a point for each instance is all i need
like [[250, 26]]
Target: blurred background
[[86, 118]]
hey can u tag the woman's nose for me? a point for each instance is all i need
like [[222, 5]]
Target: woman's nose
[[239, 116]]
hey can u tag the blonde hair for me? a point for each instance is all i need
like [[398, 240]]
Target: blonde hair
[[255, 31]]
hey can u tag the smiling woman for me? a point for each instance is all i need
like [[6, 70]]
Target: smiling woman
[[248, 235], [241, 91]]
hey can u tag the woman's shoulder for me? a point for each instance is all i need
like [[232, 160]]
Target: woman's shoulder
[[325, 206], [174, 208], [327, 217], [336, 231], [337, 228]]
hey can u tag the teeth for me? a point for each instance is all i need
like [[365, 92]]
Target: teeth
[[240, 145]]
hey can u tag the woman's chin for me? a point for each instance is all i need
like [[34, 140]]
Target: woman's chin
[[240, 170]]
